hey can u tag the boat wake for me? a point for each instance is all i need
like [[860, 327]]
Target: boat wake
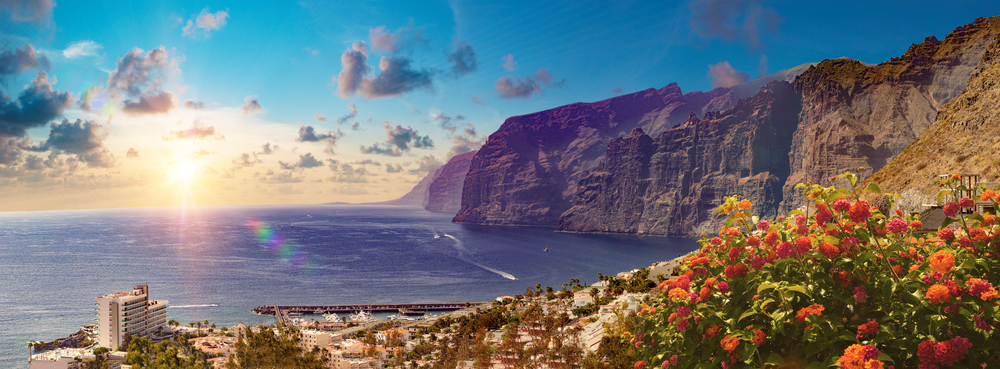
[[463, 254], [191, 306]]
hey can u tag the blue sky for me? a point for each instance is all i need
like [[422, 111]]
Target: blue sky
[[234, 76]]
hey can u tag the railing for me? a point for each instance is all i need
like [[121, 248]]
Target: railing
[[310, 309]]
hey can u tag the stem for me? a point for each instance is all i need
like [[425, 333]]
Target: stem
[[881, 251]]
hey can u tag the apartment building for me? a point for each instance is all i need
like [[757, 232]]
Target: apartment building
[[128, 312]]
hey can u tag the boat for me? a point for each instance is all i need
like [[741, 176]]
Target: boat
[[546, 249], [362, 316], [318, 312], [332, 317], [408, 312]]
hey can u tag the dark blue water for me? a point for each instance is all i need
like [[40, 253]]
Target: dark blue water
[[53, 264]]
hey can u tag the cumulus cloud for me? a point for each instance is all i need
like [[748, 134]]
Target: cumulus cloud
[[398, 140], [245, 160], [10, 150], [308, 134], [159, 103], [395, 77], [14, 62], [267, 149], [203, 25], [348, 174], [389, 168], [346, 117], [141, 77], [390, 42], [468, 140], [740, 20], [196, 132], [446, 122], [82, 138], [367, 162], [462, 59], [311, 51], [618, 90], [194, 105], [319, 117], [81, 49], [509, 63], [426, 163], [35, 11], [132, 153], [724, 75], [286, 177], [305, 161], [37, 104], [252, 106], [479, 100], [518, 88], [356, 126], [353, 69]]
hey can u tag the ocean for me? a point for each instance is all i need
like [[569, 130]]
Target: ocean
[[218, 263]]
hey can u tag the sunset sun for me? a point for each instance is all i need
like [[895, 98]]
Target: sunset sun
[[184, 173]]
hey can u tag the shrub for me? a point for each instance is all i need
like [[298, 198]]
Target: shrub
[[835, 284]]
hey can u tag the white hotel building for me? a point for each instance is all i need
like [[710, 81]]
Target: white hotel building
[[128, 312]]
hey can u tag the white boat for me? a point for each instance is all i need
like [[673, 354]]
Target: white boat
[[362, 316], [318, 312], [332, 317]]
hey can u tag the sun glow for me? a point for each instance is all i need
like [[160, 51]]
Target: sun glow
[[184, 173]]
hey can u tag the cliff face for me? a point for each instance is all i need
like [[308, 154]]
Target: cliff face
[[445, 192], [854, 115], [527, 172], [671, 185], [963, 138], [418, 195]]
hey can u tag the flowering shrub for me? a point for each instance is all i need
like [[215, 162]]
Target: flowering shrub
[[837, 284]]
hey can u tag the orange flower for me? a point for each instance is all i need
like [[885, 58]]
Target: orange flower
[[987, 195], [989, 294], [814, 309], [671, 318], [988, 220], [942, 262], [678, 294], [829, 250], [854, 358], [711, 281], [730, 342], [938, 294], [705, 293], [956, 176], [745, 204], [734, 231], [712, 330], [897, 269], [758, 337]]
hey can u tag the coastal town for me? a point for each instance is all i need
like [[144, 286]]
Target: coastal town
[[410, 339]]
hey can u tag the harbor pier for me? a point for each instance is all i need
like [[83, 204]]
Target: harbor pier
[[324, 309]]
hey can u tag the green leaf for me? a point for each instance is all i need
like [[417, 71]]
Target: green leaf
[[942, 194], [873, 188], [798, 289], [978, 217], [947, 222], [836, 195], [774, 359], [815, 365], [746, 314], [765, 286]]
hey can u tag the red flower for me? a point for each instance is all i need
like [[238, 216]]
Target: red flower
[[759, 337], [951, 209], [916, 224], [802, 245], [814, 309], [829, 249], [640, 364], [753, 241], [966, 203], [841, 205], [860, 211], [946, 234], [771, 238]]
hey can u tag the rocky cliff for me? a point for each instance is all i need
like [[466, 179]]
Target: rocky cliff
[[418, 195], [837, 115], [963, 138], [445, 192], [671, 185], [527, 172], [855, 115]]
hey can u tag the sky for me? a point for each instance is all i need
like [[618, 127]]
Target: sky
[[107, 104]]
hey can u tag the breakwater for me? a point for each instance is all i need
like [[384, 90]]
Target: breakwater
[[323, 309]]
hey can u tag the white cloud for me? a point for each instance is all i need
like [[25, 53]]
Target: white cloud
[[81, 49]]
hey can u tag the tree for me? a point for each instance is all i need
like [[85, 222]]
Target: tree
[[274, 348]]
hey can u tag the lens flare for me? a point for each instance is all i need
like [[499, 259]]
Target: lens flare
[[293, 255]]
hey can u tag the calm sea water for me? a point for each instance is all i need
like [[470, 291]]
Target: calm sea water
[[53, 264]]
